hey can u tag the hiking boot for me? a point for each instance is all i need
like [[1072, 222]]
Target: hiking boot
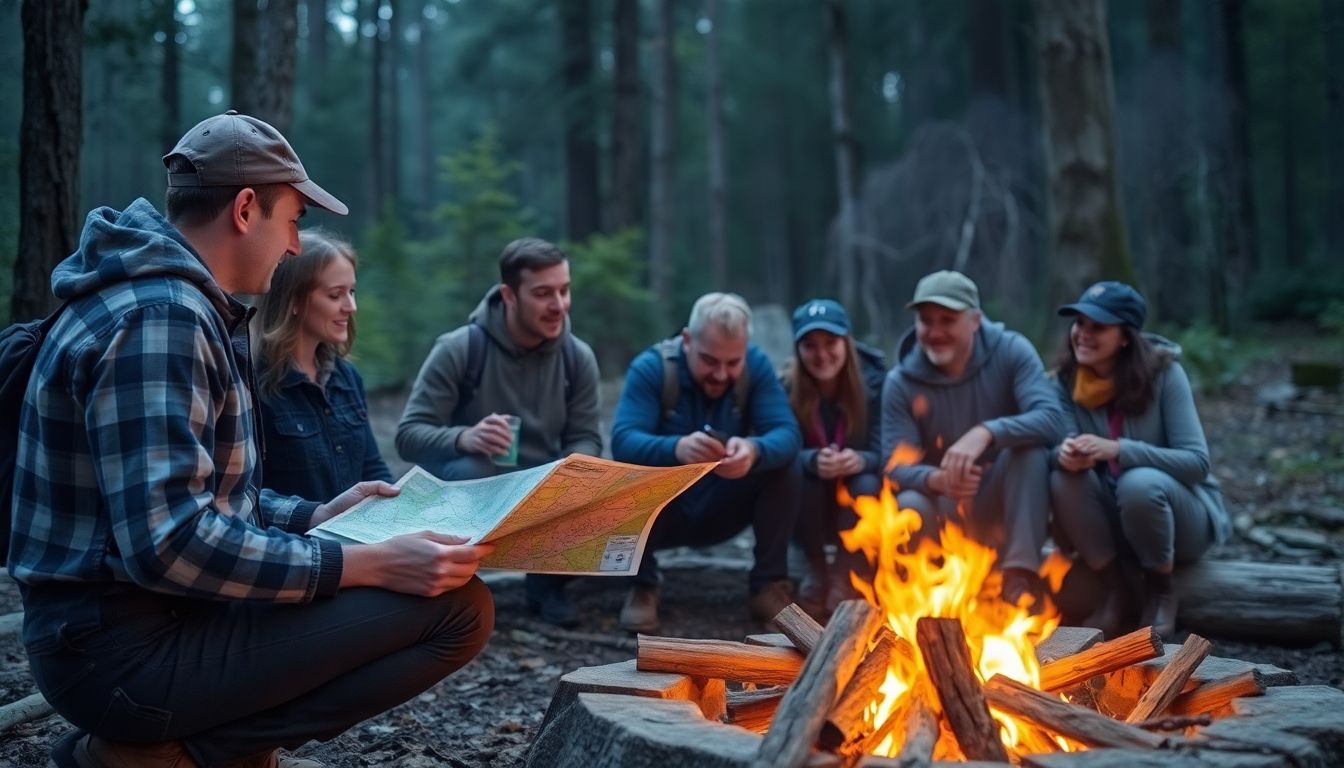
[[640, 612], [770, 599], [550, 602], [1023, 588], [812, 590], [1159, 604], [274, 759], [81, 750], [1109, 615]]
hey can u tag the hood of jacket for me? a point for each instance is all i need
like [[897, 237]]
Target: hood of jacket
[[914, 363], [119, 246], [489, 314]]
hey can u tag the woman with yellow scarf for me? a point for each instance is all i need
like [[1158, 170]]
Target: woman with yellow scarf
[[1131, 483]]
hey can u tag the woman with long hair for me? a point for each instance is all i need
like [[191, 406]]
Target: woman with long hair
[[834, 385], [1131, 483], [318, 441]]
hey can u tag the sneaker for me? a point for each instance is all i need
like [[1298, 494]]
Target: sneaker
[[1023, 588], [640, 612], [552, 604], [769, 600], [81, 750]]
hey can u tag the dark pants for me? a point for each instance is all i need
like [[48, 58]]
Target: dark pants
[[716, 509], [474, 467], [232, 679], [821, 516]]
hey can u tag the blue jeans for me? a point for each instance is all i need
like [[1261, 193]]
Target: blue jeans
[[716, 509], [232, 679]]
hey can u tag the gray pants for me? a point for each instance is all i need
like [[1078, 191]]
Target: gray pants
[[1009, 513], [1146, 511]]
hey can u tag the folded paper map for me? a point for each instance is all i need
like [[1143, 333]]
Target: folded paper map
[[579, 515]]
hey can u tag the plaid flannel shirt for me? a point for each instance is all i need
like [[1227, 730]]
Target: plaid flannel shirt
[[137, 457]]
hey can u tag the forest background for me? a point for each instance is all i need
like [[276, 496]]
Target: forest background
[[779, 148]]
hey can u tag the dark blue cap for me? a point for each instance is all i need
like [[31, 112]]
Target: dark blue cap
[[1110, 303], [820, 314]]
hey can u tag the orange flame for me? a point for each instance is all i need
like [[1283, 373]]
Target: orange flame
[[946, 575]]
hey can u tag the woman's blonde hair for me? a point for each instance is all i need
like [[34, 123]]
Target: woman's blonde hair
[[280, 313], [852, 399]]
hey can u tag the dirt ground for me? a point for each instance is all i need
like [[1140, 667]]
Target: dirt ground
[[1275, 468]]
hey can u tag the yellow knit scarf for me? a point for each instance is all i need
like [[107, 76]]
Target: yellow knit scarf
[[1090, 390]]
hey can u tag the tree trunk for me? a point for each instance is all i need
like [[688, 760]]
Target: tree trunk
[[663, 141], [265, 43], [393, 158], [718, 164], [424, 116], [1167, 228], [1238, 231], [1332, 29], [49, 140], [626, 127], [317, 45], [581, 185], [1078, 102], [244, 75], [171, 126], [377, 167], [846, 156], [1292, 241]]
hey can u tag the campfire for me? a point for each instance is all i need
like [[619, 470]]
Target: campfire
[[930, 666]]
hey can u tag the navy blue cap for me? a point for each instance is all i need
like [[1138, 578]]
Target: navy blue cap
[[820, 314], [1110, 303]]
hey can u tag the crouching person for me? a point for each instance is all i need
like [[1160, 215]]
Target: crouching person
[[174, 613], [709, 395], [1132, 480]]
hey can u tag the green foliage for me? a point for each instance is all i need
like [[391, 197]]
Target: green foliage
[[1300, 294], [1332, 317], [612, 309], [1213, 361], [1324, 460]]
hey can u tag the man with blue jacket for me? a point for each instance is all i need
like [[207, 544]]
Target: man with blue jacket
[[973, 400], [710, 395]]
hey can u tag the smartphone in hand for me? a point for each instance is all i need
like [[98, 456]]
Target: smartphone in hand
[[717, 434]]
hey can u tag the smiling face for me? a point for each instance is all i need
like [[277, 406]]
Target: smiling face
[[822, 355], [536, 311], [1096, 345], [714, 358], [269, 239], [947, 336], [328, 307]]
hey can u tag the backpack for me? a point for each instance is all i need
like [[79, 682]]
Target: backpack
[[19, 345], [477, 343], [872, 367], [669, 350]]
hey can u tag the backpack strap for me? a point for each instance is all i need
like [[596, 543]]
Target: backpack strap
[[670, 350], [741, 393], [471, 374], [569, 358]]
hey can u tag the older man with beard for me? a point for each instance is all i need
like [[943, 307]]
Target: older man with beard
[[972, 399]]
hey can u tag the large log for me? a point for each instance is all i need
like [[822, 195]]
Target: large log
[[1216, 694], [948, 661], [825, 673], [848, 718], [1169, 683], [1271, 602], [1057, 716], [622, 677], [718, 658], [1139, 645]]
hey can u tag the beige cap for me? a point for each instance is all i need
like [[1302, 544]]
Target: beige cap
[[947, 289], [233, 150]]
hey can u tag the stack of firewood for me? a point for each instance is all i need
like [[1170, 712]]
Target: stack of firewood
[[811, 689]]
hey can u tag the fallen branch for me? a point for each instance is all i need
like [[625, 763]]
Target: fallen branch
[[1171, 680], [28, 708], [1139, 645]]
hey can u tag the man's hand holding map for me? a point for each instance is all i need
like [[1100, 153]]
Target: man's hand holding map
[[579, 515]]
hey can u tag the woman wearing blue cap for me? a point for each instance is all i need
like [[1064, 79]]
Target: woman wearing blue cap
[[1132, 481], [835, 386]]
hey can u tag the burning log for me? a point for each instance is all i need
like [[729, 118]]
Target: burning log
[[848, 719], [802, 630], [948, 661], [1216, 694], [718, 658], [753, 709], [1139, 645], [1057, 716], [1171, 680], [921, 735], [1274, 602], [826, 671]]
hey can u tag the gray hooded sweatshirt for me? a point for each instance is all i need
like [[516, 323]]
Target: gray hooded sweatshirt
[[1004, 388], [529, 383]]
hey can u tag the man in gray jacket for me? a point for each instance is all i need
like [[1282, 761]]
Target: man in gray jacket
[[515, 365], [973, 400]]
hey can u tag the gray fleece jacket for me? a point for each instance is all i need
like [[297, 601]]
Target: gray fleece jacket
[[1004, 388], [529, 383], [1168, 436]]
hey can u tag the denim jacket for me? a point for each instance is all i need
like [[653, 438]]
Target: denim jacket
[[318, 441]]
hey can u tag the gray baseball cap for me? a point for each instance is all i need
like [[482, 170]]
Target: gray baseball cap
[[947, 289], [233, 150]]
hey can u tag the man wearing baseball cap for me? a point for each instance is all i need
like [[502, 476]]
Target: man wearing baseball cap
[[971, 397], [174, 613]]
